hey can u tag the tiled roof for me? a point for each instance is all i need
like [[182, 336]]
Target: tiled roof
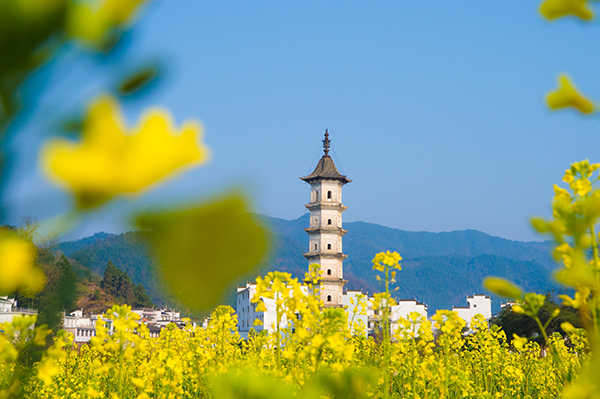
[[326, 170]]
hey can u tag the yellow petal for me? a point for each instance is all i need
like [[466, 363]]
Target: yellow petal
[[568, 96], [109, 161], [16, 263], [552, 9]]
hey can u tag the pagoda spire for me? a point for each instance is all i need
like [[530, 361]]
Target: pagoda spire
[[326, 143]]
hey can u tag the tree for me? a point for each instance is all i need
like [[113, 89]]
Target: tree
[[142, 300], [117, 283], [524, 326], [110, 280], [65, 292]]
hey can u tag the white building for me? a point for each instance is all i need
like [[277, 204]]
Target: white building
[[83, 327], [9, 309], [159, 317], [403, 309], [350, 300], [478, 304], [247, 314]]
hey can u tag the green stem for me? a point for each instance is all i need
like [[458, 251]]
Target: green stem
[[594, 249], [555, 356], [277, 335], [386, 338]]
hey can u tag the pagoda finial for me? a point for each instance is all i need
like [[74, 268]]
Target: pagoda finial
[[326, 142]]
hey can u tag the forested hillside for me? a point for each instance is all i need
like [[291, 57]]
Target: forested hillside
[[440, 269]]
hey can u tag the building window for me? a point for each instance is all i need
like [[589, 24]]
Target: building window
[[329, 272], [328, 246], [328, 298], [315, 247], [329, 194], [316, 196], [328, 221]]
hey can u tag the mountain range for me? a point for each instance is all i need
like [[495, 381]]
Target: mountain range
[[439, 269]]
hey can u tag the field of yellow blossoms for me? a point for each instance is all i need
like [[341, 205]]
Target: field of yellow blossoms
[[323, 355]]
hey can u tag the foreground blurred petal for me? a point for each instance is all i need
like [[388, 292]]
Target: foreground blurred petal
[[109, 161], [567, 96], [202, 250], [552, 9], [17, 270]]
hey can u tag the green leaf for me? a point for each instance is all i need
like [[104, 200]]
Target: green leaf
[[138, 80], [200, 251]]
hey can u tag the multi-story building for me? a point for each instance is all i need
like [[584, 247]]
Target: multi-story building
[[9, 309], [83, 327], [248, 315], [325, 230]]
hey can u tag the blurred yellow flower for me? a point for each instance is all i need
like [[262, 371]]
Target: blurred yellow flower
[[110, 160], [519, 342], [552, 9], [17, 270], [92, 22], [503, 287], [569, 177], [567, 96], [567, 327], [582, 187], [560, 194]]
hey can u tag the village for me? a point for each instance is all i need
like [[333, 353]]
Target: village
[[325, 249]]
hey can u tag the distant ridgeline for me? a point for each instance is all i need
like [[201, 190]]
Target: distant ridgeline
[[440, 269]]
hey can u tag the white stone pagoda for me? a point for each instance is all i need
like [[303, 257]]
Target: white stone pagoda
[[325, 230]]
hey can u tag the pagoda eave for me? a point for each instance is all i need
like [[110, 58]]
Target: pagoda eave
[[316, 255], [316, 230], [326, 205]]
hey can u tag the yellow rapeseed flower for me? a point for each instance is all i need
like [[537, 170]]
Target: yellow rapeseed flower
[[110, 160], [567, 96], [391, 259], [582, 187], [553, 9], [560, 194], [569, 177]]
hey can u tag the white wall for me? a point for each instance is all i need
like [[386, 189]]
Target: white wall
[[478, 304]]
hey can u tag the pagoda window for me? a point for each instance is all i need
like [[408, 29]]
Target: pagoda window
[[329, 272], [316, 196], [329, 194], [328, 298], [328, 246], [315, 247], [328, 221]]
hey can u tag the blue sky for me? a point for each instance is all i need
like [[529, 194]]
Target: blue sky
[[436, 109]]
